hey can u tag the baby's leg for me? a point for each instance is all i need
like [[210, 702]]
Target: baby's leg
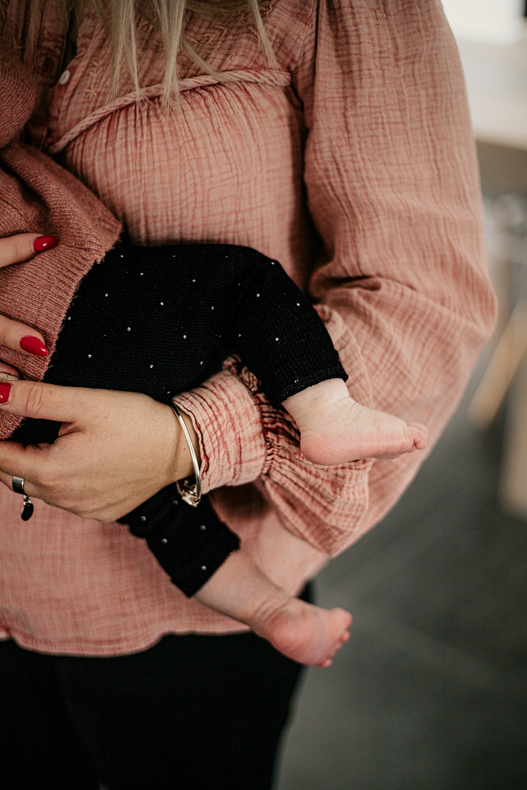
[[335, 429], [307, 634]]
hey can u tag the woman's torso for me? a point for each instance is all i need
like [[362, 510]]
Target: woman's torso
[[224, 167]]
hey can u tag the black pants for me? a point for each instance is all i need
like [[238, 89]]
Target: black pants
[[191, 713], [158, 320]]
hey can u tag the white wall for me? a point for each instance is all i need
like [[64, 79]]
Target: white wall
[[495, 21]]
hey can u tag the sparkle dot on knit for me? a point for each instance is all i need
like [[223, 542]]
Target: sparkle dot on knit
[[69, 318], [164, 540], [151, 366], [140, 274], [273, 263], [239, 335], [162, 304], [122, 256], [128, 328], [193, 281], [212, 308], [143, 518], [298, 304], [201, 363], [277, 338], [203, 567], [175, 502], [89, 356], [257, 294], [203, 525], [106, 294], [184, 337]]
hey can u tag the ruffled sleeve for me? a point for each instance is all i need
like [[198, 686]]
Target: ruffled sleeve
[[393, 189]]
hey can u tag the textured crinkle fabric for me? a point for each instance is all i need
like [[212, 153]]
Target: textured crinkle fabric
[[352, 163]]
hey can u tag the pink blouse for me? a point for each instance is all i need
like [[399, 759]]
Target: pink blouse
[[353, 164]]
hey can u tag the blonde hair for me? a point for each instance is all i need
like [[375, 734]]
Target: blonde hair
[[120, 18]]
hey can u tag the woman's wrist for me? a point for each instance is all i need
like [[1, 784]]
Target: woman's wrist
[[184, 462], [228, 420]]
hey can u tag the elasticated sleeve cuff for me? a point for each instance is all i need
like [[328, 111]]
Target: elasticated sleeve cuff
[[244, 439], [227, 421]]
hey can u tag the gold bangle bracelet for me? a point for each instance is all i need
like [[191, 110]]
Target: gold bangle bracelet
[[189, 490]]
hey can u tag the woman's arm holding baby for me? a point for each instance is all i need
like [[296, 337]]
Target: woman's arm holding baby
[[115, 449]]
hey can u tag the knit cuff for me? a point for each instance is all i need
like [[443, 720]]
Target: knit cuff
[[300, 373]]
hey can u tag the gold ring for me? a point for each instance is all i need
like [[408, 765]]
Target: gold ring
[[8, 377]]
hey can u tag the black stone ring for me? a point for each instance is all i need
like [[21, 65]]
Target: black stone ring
[[27, 507]]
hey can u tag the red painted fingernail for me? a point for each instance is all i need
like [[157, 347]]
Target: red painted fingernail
[[5, 392], [33, 346], [44, 243]]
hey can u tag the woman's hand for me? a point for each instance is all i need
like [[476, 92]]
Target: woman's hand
[[114, 451], [13, 334]]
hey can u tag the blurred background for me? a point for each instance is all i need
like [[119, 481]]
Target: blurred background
[[430, 693]]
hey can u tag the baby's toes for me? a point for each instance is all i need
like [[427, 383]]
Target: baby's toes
[[329, 660], [420, 434]]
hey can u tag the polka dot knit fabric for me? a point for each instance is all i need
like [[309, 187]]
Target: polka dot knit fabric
[[159, 320]]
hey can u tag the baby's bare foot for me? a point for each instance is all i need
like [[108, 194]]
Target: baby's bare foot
[[348, 431], [307, 634], [335, 429]]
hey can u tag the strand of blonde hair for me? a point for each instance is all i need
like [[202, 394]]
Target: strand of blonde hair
[[120, 18]]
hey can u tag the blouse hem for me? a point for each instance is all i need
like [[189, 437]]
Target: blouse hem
[[108, 649]]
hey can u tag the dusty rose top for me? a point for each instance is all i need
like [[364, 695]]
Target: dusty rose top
[[353, 164]]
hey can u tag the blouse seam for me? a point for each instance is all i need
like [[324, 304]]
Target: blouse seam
[[309, 22]]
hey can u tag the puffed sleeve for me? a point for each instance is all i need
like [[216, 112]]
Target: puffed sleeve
[[393, 189]]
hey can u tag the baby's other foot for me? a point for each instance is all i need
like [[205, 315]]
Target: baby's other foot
[[307, 634], [346, 431]]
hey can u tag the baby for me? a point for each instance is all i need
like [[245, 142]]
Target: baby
[[159, 320]]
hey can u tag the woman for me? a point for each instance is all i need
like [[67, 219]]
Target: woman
[[349, 158]]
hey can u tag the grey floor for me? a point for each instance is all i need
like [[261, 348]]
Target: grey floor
[[430, 692]]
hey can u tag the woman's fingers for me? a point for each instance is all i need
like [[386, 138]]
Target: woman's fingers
[[7, 480], [16, 249], [23, 246], [20, 337], [41, 401], [25, 462], [7, 373]]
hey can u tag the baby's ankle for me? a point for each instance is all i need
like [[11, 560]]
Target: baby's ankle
[[311, 403], [302, 632], [276, 605]]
